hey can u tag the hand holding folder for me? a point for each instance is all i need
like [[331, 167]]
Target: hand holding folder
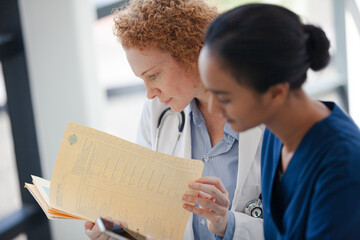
[[97, 174]]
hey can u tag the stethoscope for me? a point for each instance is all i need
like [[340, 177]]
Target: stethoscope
[[168, 112], [252, 208]]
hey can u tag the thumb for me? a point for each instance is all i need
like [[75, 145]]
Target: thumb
[[89, 225]]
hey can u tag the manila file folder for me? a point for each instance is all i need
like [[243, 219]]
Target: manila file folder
[[97, 174]]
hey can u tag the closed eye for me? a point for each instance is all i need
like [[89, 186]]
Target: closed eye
[[224, 101], [153, 76]]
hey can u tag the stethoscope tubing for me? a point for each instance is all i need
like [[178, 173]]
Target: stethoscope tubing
[[160, 122]]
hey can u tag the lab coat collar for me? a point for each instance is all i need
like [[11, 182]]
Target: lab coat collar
[[183, 148], [249, 145]]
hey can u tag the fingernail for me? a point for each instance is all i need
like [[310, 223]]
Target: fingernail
[[187, 198], [191, 184], [185, 206]]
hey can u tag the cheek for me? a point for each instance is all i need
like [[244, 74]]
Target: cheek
[[178, 84], [242, 112], [235, 109]]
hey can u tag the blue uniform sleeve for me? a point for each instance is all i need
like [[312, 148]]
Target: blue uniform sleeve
[[230, 228], [335, 208]]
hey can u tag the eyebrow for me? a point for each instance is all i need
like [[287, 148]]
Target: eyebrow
[[147, 70], [218, 91]]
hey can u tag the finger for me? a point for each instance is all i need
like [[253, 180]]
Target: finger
[[220, 197], [201, 195], [200, 212], [213, 181], [122, 224], [206, 196], [207, 204], [89, 225], [95, 234]]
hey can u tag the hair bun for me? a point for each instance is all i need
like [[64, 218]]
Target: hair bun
[[317, 46]]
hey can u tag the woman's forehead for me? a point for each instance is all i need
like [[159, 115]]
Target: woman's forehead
[[141, 60]]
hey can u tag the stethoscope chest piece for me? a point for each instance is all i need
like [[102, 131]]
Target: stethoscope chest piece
[[254, 208]]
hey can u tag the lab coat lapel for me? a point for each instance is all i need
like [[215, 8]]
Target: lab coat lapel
[[183, 148], [248, 145]]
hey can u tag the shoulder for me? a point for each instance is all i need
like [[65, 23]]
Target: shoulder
[[342, 124], [337, 144], [341, 158], [340, 137]]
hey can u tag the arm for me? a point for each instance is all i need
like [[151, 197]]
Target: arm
[[335, 209], [242, 226]]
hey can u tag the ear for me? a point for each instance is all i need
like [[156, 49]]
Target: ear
[[278, 93]]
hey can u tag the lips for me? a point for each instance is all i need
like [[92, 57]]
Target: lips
[[166, 102], [228, 120]]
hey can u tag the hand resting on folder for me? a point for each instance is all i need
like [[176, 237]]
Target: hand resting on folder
[[93, 231], [212, 199]]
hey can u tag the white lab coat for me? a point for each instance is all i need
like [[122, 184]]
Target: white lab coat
[[248, 180]]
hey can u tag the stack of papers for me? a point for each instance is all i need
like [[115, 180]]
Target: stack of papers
[[40, 191], [100, 175]]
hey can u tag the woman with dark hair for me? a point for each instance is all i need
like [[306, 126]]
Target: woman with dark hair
[[254, 62]]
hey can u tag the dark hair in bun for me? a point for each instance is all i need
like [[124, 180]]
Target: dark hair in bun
[[317, 47], [263, 45]]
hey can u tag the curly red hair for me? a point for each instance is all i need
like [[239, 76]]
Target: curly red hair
[[175, 26]]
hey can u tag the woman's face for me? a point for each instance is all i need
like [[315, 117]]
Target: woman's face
[[241, 106], [163, 76]]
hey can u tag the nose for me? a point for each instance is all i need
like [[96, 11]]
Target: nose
[[214, 106], [151, 92]]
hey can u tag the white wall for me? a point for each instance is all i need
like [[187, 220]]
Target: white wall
[[64, 86], [353, 51]]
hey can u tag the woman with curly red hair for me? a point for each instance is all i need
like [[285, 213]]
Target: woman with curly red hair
[[162, 41]]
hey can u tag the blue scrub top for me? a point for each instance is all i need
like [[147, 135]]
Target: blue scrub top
[[319, 194]]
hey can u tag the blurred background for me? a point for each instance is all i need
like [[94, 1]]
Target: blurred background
[[61, 63]]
